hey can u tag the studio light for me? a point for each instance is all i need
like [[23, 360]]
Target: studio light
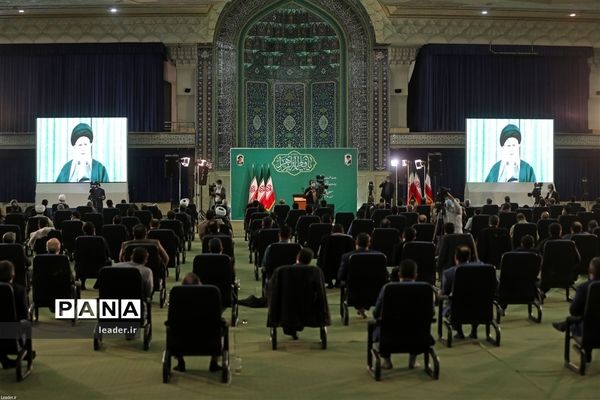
[[394, 162], [419, 164], [405, 163], [185, 161]]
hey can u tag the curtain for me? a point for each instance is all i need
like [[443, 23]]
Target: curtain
[[82, 80], [453, 82], [17, 175]]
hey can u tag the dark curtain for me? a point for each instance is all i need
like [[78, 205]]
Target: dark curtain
[[82, 80], [453, 82], [17, 175], [147, 181], [571, 166]]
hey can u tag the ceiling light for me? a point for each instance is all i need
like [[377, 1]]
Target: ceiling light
[[572, 15], [484, 12], [113, 10], [21, 11]]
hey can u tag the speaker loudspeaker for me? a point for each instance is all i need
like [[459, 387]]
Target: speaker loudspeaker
[[435, 164], [171, 165]]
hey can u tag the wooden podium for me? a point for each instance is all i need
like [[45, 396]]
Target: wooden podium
[[299, 198]]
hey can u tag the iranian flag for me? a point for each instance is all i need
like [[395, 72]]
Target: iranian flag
[[428, 190], [414, 189], [269, 199], [261, 188], [253, 188]]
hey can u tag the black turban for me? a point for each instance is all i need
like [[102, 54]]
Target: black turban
[[509, 131], [81, 130]]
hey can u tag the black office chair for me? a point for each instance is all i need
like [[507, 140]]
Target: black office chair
[[537, 213], [507, 219], [59, 216], [424, 209], [226, 242], [95, 218], [188, 231], [71, 230], [491, 244], [279, 254], [367, 273], [330, 255], [472, 302], [521, 230], [297, 300], [90, 256], [589, 326], [264, 238], [316, 233], [109, 215], [195, 327], [411, 218], [587, 245], [585, 217], [559, 265], [115, 235], [123, 208], [15, 253], [145, 216], [542, 226], [386, 240], [425, 232], [379, 214], [130, 222], [490, 209], [566, 221], [447, 246], [177, 227], [518, 282], [361, 225], [170, 243], [4, 228], [527, 212], [16, 219], [217, 270], [398, 221], [480, 222], [404, 329], [159, 274], [52, 279], [124, 283], [302, 226], [322, 211], [422, 253], [84, 210], [247, 214], [33, 224], [281, 212], [16, 333], [345, 219], [556, 211]]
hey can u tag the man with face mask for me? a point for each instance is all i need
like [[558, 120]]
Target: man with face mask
[[511, 168], [82, 168]]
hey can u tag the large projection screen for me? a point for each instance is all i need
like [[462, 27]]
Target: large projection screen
[[73, 152]]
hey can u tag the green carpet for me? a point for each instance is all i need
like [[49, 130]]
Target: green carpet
[[528, 364]]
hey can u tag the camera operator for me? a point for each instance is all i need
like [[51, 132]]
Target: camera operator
[[97, 196], [310, 194], [387, 190], [454, 211]]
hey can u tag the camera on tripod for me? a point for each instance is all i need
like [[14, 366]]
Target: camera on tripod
[[320, 187], [536, 193]]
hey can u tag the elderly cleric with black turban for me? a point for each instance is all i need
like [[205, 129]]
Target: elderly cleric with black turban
[[511, 168], [82, 168]]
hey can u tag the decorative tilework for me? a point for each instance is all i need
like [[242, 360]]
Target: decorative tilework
[[323, 114], [350, 16], [288, 100], [380, 108], [204, 142], [257, 116]]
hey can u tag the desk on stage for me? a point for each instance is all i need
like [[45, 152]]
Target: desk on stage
[[301, 200]]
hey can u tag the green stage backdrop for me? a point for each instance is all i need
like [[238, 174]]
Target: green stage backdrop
[[291, 170]]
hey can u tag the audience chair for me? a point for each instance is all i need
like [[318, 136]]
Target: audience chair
[[425, 232], [556, 211], [52, 279], [330, 255], [345, 219], [490, 209], [588, 337], [316, 233], [226, 242], [411, 218], [472, 301], [195, 327], [115, 235], [177, 227], [130, 222], [587, 245], [361, 225], [84, 210], [16, 334], [124, 283], [480, 222], [559, 265], [71, 230], [367, 273], [518, 282], [297, 300], [16, 219], [423, 253], [527, 212], [447, 246], [145, 217], [109, 214], [59, 216], [15, 253], [90, 256], [386, 240], [404, 329], [159, 274], [281, 212], [217, 270], [379, 214], [398, 221], [95, 218], [302, 226], [537, 213], [542, 227], [4, 228], [170, 243], [521, 230], [264, 238], [507, 219]]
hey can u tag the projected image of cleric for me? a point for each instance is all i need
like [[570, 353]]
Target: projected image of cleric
[[82, 168], [511, 168]]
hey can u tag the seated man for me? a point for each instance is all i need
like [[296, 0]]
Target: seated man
[[11, 238], [577, 307], [40, 233], [576, 228], [139, 258], [284, 237], [407, 273], [521, 219], [7, 274], [139, 237], [527, 244], [554, 233]]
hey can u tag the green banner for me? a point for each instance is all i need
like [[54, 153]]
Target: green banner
[[285, 172]]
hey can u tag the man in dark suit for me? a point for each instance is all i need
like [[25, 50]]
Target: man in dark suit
[[577, 307], [7, 274], [139, 238], [304, 257]]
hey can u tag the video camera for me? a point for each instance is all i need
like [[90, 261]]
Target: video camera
[[320, 186], [536, 193]]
